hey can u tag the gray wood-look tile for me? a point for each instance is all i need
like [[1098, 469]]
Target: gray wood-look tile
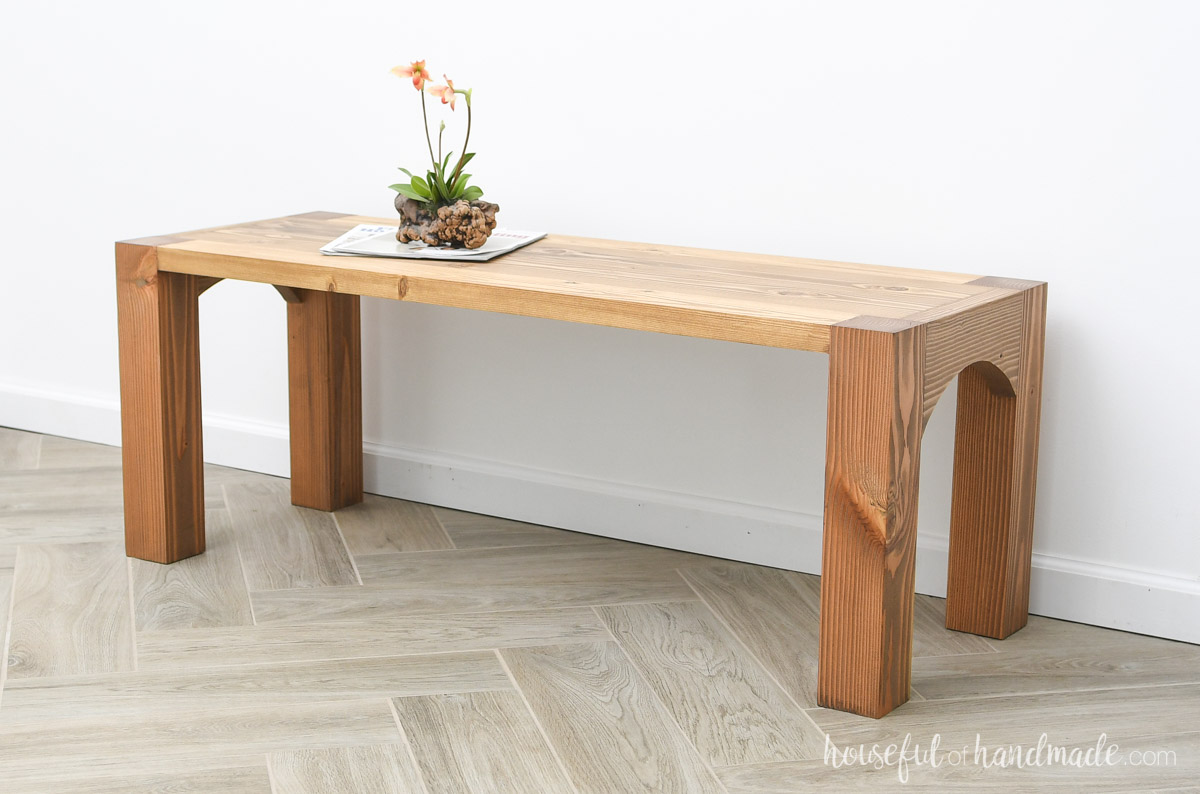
[[252, 778], [382, 525], [606, 724], [79, 748], [284, 546], [364, 769], [720, 695], [483, 741], [951, 774], [96, 489], [68, 525], [266, 685], [67, 453], [202, 591], [472, 531], [1067, 717], [380, 636], [312, 683], [600, 560], [932, 638], [775, 613], [70, 613], [18, 449], [1054, 655], [434, 598]]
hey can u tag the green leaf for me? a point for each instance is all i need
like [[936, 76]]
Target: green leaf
[[439, 187], [405, 170], [460, 185], [466, 159], [422, 187], [446, 162], [472, 193], [408, 192]]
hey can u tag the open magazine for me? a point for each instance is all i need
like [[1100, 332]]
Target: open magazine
[[368, 239]]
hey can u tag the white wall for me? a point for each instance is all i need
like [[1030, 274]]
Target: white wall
[[1042, 140]]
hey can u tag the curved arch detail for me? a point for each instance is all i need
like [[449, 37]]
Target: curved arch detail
[[999, 382]]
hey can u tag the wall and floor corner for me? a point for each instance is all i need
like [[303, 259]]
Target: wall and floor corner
[[1047, 141]]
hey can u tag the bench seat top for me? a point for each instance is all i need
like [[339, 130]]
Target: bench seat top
[[759, 299]]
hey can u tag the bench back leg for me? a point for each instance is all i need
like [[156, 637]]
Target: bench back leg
[[995, 474], [325, 399]]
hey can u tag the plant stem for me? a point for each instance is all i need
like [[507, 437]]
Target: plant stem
[[458, 168], [428, 142]]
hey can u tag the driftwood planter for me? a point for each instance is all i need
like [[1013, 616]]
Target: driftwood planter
[[464, 224]]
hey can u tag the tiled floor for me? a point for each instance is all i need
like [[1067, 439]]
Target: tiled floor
[[400, 647]]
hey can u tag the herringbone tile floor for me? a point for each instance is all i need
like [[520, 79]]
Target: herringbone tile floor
[[400, 647]]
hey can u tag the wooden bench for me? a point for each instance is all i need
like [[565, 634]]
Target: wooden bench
[[895, 339]]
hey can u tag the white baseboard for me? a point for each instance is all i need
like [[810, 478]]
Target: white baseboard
[[1071, 589]]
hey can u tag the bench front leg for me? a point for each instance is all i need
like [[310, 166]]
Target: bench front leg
[[325, 398], [872, 464], [161, 447]]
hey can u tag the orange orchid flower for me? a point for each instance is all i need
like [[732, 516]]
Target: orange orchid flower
[[417, 71], [445, 92]]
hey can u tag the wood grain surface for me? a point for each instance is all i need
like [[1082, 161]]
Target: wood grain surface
[[202, 591], [380, 525], [474, 531], [158, 329], [237, 776], [755, 298], [726, 703], [325, 399], [777, 614], [275, 555], [382, 635], [611, 732], [175, 738], [70, 612], [265, 685], [365, 769], [480, 741], [18, 449], [209, 703], [872, 463], [995, 480], [68, 453]]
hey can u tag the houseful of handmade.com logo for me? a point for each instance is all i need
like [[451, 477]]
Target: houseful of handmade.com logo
[[909, 753]]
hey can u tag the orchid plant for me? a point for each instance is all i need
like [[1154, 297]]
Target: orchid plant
[[438, 186]]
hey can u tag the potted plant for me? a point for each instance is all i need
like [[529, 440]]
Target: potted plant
[[441, 208]]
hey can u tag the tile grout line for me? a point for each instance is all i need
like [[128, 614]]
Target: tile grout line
[[7, 634], [346, 547], [1039, 692], [666, 707], [753, 655], [132, 610], [412, 753], [270, 773], [537, 723], [241, 562], [442, 526], [607, 628]]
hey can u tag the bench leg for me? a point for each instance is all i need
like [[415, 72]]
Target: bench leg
[[325, 399], [162, 460], [995, 472], [872, 467]]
